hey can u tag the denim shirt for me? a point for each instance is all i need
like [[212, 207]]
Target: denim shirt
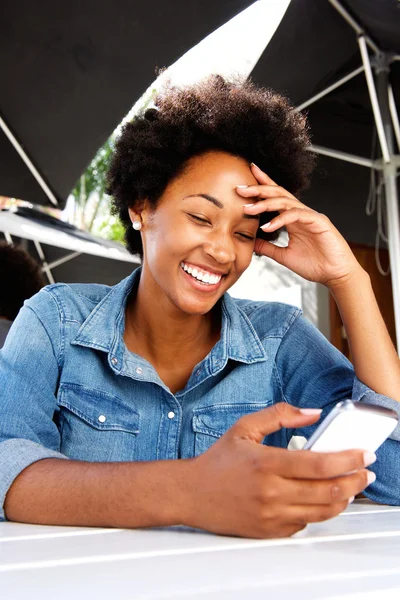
[[71, 389]]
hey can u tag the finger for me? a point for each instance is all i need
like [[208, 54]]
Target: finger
[[324, 491], [263, 191], [256, 426], [302, 515], [273, 204], [304, 464], [290, 216], [261, 176]]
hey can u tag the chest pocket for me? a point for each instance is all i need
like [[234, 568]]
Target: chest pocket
[[211, 422], [96, 426]]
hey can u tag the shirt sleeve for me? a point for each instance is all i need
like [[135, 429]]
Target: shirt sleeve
[[29, 371], [314, 374]]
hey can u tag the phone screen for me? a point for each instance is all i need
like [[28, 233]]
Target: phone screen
[[351, 426]]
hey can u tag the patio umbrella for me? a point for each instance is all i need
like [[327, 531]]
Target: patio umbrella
[[70, 71], [65, 252], [340, 62]]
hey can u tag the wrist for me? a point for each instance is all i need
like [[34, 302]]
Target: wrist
[[185, 488], [349, 282]]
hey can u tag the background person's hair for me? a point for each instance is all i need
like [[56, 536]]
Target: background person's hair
[[232, 115], [20, 278]]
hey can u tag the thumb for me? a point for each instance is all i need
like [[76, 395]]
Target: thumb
[[270, 250], [259, 424]]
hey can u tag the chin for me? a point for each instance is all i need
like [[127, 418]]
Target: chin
[[193, 306]]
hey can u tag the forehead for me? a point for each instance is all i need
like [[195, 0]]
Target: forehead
[[214, 172]]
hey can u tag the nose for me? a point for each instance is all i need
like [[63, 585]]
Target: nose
[[221, 248]]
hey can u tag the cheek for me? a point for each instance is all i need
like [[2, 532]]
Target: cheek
[[163, 239]]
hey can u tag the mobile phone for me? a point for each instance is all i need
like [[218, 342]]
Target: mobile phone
[[353, 425]]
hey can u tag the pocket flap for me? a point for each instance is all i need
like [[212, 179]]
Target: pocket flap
[[99, 409], [217, 419]]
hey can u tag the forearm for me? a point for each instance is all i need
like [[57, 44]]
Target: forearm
[[375, 359], [126, 494]]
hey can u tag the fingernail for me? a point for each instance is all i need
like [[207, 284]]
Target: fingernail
[[369, 458], [254, 165], [242, 187], [371, 477], [310, 411], [264, 227], [351, 499], [248, 205]]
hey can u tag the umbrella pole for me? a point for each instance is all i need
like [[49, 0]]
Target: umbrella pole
[[386, 119], [392, 200]]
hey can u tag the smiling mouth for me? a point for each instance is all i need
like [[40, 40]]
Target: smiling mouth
[[204, 277]]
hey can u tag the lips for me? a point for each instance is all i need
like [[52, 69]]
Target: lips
[[200, 274], [199, 285]]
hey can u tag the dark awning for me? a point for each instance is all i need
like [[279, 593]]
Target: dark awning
[[71, 71]]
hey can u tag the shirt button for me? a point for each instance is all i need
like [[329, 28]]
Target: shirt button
[[102, 418], [139, 370], [197, 372], [171, 415], [114, 360]]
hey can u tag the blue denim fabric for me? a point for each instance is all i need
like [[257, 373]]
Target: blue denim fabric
[[71, 389]]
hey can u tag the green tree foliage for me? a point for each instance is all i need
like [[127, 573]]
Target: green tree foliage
[[95, 215], [91, 181]]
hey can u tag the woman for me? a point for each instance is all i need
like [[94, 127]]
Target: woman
[[172, 402]]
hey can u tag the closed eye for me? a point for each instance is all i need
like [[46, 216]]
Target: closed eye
[[200, 220]]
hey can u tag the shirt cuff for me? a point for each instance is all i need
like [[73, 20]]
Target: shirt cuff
[[362, 393], [15, 456]]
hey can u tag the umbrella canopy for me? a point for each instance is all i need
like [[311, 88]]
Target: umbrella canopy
[[71, 71], [340, 62], [65, 252]]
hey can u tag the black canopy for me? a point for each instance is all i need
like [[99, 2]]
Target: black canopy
[[314, 47], [70, 71], [340, 61]]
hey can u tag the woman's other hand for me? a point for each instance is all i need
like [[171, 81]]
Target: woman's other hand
[[316, 250], [243, 488]]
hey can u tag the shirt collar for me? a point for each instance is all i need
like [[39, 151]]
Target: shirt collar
[[103, 329], [105, 325]]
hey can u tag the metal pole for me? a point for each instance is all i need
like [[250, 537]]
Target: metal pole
[[13, 140], [353, 23], [352, 158], [64, 259], [45, 266], [395, 116], [392, 201], [330, 89], [374, 99]]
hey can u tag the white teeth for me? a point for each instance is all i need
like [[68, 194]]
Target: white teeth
[[200, 276]]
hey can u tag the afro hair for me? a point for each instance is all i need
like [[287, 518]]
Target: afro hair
[[234, 116]]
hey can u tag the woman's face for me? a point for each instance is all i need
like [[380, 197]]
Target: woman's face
[[199, 231]]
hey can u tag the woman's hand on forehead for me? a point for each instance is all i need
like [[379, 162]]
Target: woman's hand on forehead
[[316, 249]]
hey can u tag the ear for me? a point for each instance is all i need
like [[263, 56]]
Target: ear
[[136, 210], [134, 214]]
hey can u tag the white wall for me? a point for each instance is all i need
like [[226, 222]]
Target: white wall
[[267, 280]]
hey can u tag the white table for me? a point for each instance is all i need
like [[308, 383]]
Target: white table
[[356, 555]]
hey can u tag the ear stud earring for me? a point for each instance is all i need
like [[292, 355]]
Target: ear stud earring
[[137, 225]]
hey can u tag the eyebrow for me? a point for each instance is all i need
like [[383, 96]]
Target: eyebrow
[[219, 204]]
